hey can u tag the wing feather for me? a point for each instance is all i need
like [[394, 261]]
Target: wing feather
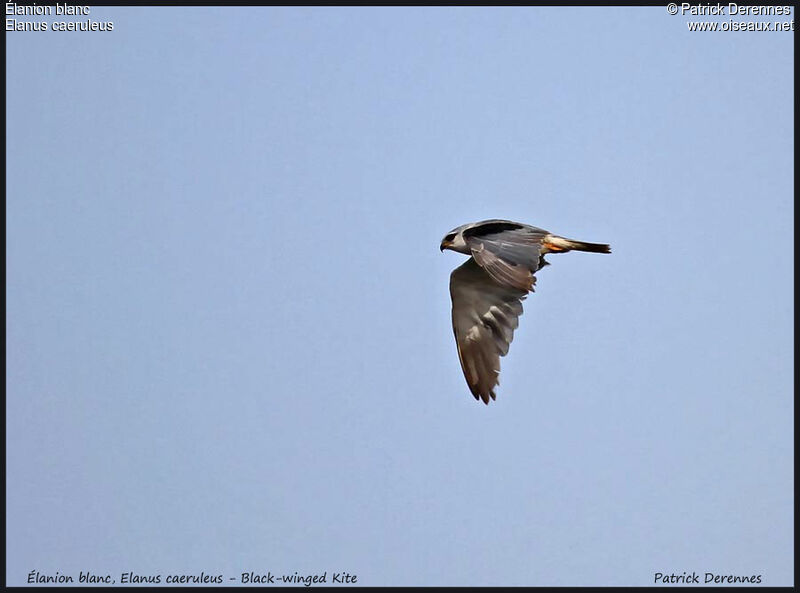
[[485, 315], [511, 257], [503, 271]]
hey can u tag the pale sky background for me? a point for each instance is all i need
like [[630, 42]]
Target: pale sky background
[[228, 322]]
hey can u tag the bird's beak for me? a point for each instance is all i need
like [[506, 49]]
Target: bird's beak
[[444, 245]]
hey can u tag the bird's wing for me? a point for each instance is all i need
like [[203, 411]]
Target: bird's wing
[[503, 271], [485, 315], [511, 257]]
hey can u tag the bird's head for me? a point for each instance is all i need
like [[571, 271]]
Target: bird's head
[[447, 242], [454, 240]]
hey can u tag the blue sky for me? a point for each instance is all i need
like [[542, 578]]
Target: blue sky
[[228, 322]]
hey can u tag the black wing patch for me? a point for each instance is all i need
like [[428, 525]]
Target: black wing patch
[[491, 228]]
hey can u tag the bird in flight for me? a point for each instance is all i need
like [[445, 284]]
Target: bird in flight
[[487, 291]]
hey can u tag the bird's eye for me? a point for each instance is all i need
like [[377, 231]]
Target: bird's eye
[[450, 237]]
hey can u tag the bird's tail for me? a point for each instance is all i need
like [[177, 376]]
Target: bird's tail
[[554, 243]]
